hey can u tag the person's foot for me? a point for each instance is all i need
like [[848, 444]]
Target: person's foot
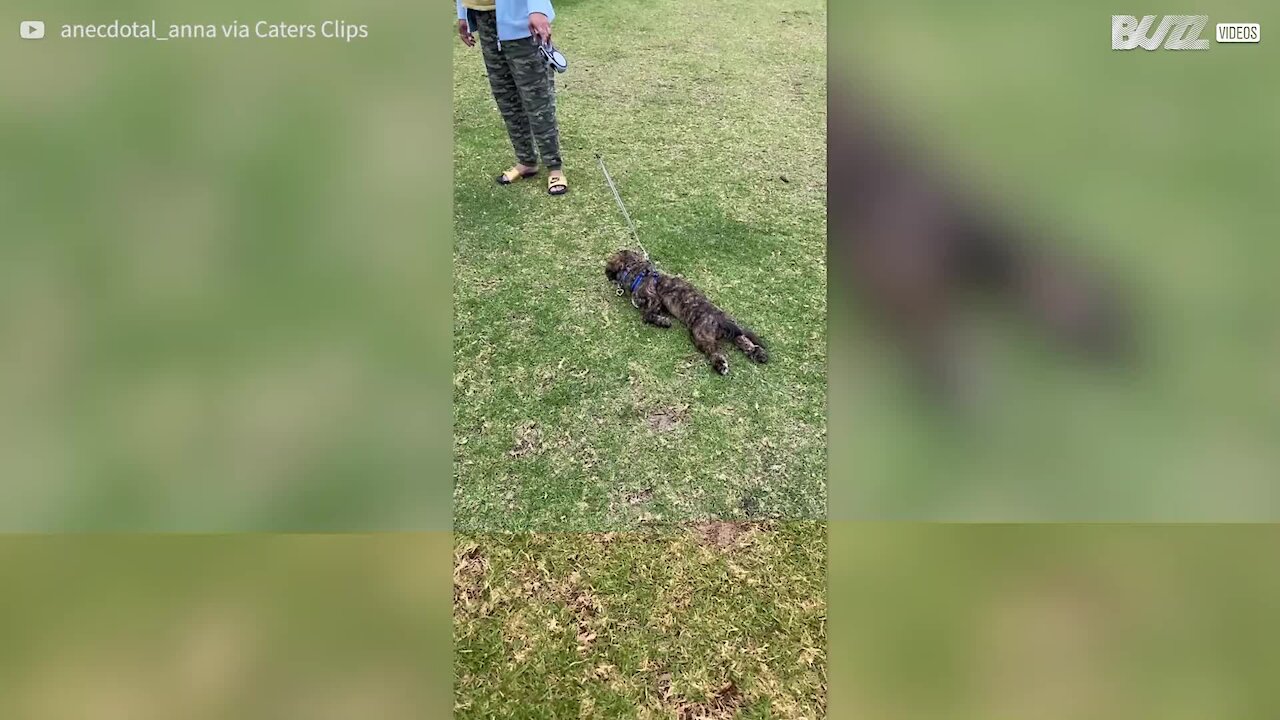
[[519, 172], [556, 184]]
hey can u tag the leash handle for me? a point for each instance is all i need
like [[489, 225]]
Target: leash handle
[[621, 205]]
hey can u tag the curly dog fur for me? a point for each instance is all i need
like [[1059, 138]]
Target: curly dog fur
[[663, 297]]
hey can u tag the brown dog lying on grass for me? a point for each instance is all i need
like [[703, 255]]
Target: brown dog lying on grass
[[663, 297], [916, 243]]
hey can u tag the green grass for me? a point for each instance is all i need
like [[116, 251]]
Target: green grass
[[716, 621], [234, 625], [569, 413], [213, 268], [1053, 621]]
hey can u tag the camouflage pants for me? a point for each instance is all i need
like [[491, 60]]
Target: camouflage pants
[[525, 90]]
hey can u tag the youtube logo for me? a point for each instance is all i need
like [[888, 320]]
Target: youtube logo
[[31, 29]]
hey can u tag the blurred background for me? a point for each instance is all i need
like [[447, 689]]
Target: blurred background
[[1157, 171], [224, 626], [1053, 621], [222, 304]]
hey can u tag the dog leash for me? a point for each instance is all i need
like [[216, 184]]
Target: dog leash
[[621, 206]]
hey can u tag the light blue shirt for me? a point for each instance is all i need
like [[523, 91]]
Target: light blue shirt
[[513, 16]]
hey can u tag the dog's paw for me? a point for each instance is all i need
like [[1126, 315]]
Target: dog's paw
[[721, 364], [759, 354]]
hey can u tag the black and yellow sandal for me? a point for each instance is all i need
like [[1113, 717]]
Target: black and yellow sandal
[[556, 184], [514, 175]]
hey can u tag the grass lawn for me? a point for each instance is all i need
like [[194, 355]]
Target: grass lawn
[[713, 621], [218, 309], [569, 413]]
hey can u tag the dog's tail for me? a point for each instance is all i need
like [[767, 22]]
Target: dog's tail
[[730, 329]]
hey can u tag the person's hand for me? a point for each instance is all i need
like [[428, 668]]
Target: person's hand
[[540, 27], [464, 32]]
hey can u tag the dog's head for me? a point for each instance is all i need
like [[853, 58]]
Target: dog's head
[[623, 261]]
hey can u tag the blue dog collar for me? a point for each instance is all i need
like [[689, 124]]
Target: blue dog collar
[[639, 279], [622, 280]]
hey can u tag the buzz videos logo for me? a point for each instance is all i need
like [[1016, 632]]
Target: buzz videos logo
[[1176, 32]]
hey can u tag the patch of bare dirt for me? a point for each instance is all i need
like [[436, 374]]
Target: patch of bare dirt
[[585, 607], [527, 441], [666, 419], [719, 704], [639, 497], [723, 534], [661, 422], [470, 577]]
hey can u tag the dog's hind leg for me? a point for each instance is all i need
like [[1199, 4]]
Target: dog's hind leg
[[658, 319], [746, 340], [707, 339], [757, 353]]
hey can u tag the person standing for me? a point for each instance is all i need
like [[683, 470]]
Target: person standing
[[511, 34]]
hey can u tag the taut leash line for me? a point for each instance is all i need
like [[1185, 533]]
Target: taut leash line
[[621, 205]]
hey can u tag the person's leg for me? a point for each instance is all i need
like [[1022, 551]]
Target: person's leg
[[506, 92], [536, 83]]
